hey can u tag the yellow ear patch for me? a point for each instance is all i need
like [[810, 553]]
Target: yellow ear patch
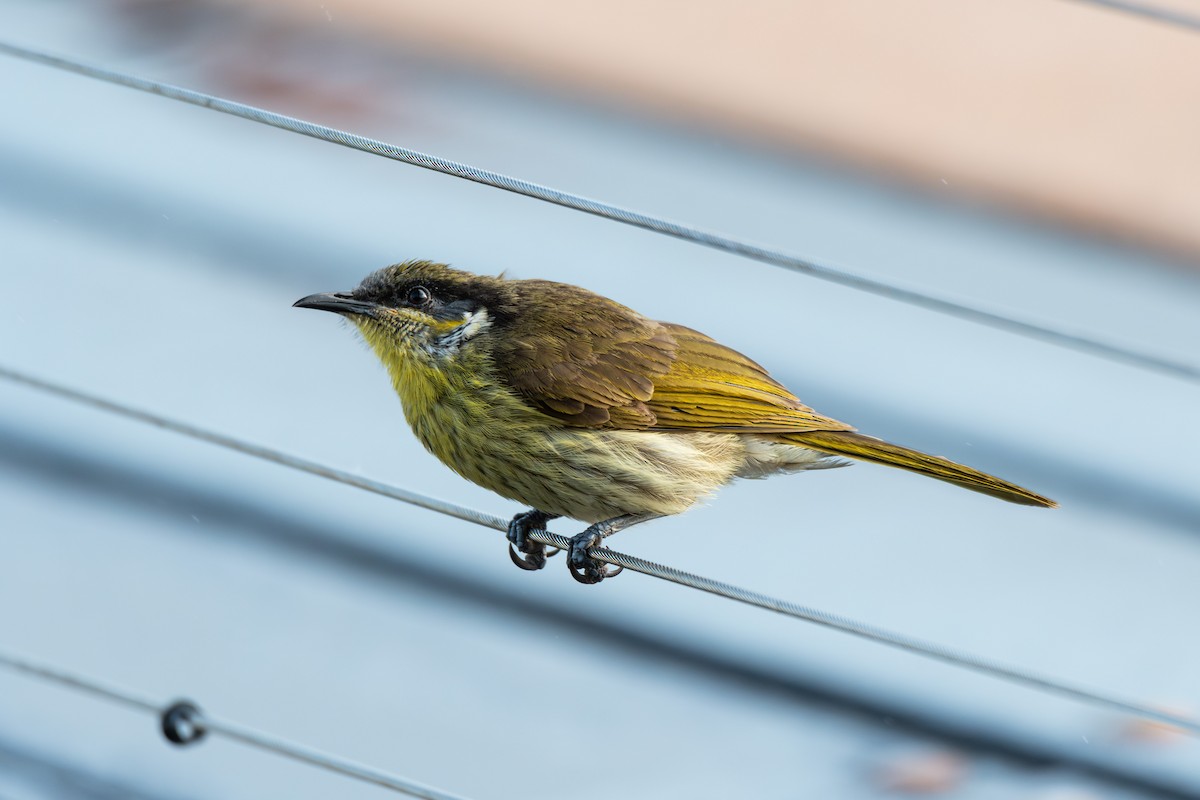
[[440, 327]]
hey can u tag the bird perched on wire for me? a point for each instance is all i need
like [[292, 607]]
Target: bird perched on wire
[[577, 406]]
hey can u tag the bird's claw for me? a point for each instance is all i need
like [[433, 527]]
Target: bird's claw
[[583, 567], [523, 551], [533, 555]]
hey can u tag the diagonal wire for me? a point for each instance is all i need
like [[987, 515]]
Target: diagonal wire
[[218, 726], [1150, 11], [1062, 338], [816, 616]]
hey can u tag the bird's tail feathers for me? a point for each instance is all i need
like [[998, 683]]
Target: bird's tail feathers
[[867, 448]]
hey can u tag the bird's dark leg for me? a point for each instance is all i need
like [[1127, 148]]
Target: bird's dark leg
[[586, 569], [533, 553]]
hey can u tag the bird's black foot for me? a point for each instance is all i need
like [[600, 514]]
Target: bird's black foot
[[584, 568], [533, 554]]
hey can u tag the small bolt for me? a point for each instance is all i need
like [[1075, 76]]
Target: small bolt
[[181, 723]]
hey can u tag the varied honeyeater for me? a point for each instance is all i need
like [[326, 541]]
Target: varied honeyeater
[[577, 406]]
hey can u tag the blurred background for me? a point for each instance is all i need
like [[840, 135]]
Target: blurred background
[[1034, 157]]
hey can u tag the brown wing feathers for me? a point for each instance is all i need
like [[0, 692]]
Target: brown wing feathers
[[595, 364], [608, 366]]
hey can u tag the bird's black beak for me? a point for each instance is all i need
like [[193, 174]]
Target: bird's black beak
[[337, 302]]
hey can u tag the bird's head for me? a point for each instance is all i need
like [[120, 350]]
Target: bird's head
[[418, 309]]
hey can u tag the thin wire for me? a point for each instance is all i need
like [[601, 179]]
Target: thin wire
[[816, 616], [1062, 338], [90, 686], [1166, 15], [227, 728], [319, 758]]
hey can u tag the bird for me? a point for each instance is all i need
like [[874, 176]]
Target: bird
[[577, 406]]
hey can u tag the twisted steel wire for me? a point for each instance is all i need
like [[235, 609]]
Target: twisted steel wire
[[1150, 11], [779, 258], [816, 616]]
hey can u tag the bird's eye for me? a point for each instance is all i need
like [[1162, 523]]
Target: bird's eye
[[417, 296]]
